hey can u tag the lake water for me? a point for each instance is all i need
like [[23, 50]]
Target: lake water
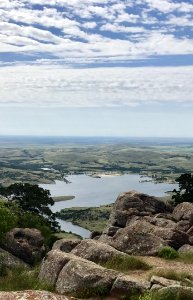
[[89, 191]]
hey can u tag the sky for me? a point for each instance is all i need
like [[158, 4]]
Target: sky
[[96, 68]]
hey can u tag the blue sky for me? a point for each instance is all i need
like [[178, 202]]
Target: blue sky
[[96, 67]]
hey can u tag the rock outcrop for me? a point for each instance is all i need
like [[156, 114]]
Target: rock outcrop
[[10, 261], [66, 245], [25, 243], [80, 274], [141, 225]]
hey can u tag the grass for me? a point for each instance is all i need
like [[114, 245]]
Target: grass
[[20, 278], [173, 275], [182, 294], [67, 235], [87, 292], [186, 257], [125, 264]]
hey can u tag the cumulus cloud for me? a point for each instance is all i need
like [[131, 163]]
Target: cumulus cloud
[[53, 85]]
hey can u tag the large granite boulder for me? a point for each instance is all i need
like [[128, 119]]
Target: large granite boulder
[[53, 263], [96, 251], [141, 225], [132, 204], [31, 295], [84, 278], [25, 243]]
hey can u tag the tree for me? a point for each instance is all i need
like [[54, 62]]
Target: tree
[[185, 192], [32, 199], [7, 220]]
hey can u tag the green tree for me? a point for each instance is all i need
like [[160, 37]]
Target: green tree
[[185, 192], [33, 199], [8, 220]]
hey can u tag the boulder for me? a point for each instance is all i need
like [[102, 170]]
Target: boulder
[[84, 278], [10, 261], [133, 203], [173, 291], [52, 265], [126, 285], [163, 281], [31, 295], [25, 243], [183, 211], [96, 251], [185, 249], [65, 245]]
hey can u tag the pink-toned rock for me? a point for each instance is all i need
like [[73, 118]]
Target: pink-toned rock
[[31, 295]]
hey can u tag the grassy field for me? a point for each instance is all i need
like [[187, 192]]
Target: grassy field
[[91, 218], [37, 163]]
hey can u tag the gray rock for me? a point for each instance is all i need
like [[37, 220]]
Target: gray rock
[[96, 251], [126, 285], [183, 211], [80, 277], [174, 290], [185, 249], [9, 260], [52, 265], [163, 281], [65, 245], [25, 243]]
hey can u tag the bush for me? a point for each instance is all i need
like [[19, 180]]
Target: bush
[[168, 253]]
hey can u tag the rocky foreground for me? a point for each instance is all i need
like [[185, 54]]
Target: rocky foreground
[[138, 225]]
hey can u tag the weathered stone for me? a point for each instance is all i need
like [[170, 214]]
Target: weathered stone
[[183, 211], [163, 281], [80, 277], [128, 286], [174, 290], [65, 245], [156, 287], [52, 265], [31, 295], [183, 225], [9, 260], [96, 251], [185, 249], [25, 243]]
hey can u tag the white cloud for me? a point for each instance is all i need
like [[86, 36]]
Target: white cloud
[[55, 86]]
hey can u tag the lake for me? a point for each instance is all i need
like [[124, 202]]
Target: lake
[[89, 191]]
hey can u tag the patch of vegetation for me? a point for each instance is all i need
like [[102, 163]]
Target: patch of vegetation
[[125, 264], [168, 253], [63, 198], [173, 275], [186, 257], [181, 294], [67, 235], [94, 291], [18, 279], [91, 218]]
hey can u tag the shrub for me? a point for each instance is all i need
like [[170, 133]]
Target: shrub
[[168, 253]]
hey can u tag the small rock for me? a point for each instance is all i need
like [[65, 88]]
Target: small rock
[[126, 285], [163, 281], [65, 245], [185, 249]]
